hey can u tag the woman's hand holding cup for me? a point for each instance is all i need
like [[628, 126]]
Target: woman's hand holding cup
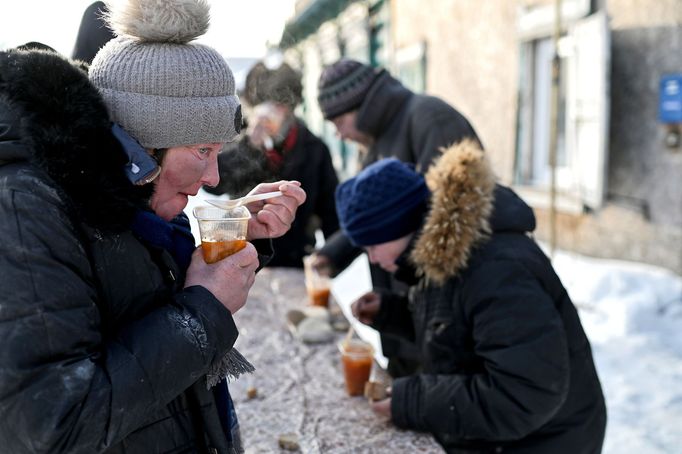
[[229, 279]]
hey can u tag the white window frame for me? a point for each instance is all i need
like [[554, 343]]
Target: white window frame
[[583, 135], [408, 59]]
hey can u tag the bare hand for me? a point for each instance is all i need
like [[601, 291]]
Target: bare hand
[[229, 279], [366, 307], [272, 218], [382, 407]]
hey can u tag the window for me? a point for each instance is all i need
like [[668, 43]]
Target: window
[[582, 129], [411, 67], [379, 34], [533, 139]]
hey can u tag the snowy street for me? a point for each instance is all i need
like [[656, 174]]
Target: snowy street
[[632, 314]]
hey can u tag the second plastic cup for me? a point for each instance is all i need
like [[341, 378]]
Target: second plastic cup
[[357, 357], [317, 285], [223, 232]]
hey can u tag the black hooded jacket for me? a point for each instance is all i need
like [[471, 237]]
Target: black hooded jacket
[[506, 365], [103, 350], [408, 126]]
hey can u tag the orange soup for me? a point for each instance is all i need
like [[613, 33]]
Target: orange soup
[[357, 365], [217, 250], [319, 296]]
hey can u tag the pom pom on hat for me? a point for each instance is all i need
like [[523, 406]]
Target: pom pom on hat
[[173, 21], [384, 202], [162, 89]]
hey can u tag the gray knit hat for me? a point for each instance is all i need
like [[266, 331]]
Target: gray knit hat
[[161, 89], [343, 85]]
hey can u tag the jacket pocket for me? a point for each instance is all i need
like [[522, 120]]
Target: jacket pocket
[[441, 345], [448, 349]]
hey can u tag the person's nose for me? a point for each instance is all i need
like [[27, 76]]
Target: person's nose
[[211, 175], [340, 131]]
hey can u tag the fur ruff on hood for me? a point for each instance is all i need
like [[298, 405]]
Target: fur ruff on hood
[[66, 130], [462, 184]]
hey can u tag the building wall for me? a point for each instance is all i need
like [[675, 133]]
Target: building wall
[[643, 218], [643, 173], [616, 233], [472, 63]]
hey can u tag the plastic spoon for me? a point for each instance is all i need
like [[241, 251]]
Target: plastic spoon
[[234, 203]]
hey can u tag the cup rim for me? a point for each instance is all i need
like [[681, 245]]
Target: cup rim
[[246, 214], [370, 348]]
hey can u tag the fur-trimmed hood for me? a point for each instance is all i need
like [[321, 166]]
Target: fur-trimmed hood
[[53, 117], [466, 207]]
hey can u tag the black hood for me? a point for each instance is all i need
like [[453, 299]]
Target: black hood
[[383, 102], [510, 213], [11, 148], [52, 117]]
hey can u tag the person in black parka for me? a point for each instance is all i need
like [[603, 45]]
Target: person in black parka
[[116, 336], [506, 364], [278, 146]]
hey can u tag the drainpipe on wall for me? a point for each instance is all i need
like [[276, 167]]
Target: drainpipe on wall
[[554, 108]]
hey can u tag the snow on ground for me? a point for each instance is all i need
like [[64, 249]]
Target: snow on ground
[[632, 314]]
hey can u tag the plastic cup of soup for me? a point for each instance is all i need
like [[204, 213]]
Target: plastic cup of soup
[[317, 284], [357, 357], [223, 232]]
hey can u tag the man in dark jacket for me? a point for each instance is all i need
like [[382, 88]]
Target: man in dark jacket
[[117, 336], [370, 107], [506, 364], [278, 146]]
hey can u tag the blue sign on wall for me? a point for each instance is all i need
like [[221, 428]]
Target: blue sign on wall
[[670, 100]]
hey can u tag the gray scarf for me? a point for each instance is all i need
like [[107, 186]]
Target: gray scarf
[[232, 365]]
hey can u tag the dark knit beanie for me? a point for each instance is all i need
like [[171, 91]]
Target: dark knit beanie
[[343, 86], [384, 202]]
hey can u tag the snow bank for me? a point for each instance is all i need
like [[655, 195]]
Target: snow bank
[[632, 314]]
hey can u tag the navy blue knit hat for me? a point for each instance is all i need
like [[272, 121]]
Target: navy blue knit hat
[[382, 203]]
